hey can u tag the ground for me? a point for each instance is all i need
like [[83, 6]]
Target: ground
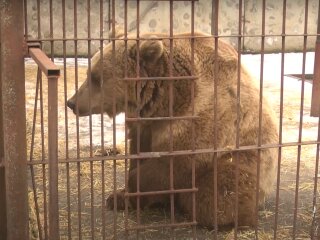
[[101, 184]]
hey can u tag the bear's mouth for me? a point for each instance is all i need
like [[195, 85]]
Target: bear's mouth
[[79, 113], [82, 113]]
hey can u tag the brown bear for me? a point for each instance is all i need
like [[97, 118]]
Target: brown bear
[[215, 120]]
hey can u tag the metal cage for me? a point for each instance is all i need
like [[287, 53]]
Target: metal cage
[[75, 163]]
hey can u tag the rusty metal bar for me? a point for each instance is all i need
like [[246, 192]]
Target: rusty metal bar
[[103, 190], [45, 64], [238, 120], [191, 190], [114, 139], [179, 153], [171, 225], [13, 177], [51, 30], [166, 37], [215, 32], [260, 115], [296, 200], [53, 157], [138, 113], [52, 72], [44, 177], [315, 190], [171, 102], [76, 85], [32, 172], [283, 45], [3, 210], [170, 78], [126, 188], [193, 132], [43, 154], [161, 118], [65, 85], [92, 212], [315, 102], [316, 97], [166, 0]]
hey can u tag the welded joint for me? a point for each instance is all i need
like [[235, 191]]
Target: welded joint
[[27, 45], [33, 45]]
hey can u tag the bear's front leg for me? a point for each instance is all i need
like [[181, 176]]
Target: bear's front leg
[[154, 176]]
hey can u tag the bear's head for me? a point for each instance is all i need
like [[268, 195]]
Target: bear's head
[[106, 85], [112, 83]]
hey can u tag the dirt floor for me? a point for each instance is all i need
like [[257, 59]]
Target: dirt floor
[[84, 187]]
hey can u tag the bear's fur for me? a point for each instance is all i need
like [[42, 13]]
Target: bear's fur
[[215, 126]]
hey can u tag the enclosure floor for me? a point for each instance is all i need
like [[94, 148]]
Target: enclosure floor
[[100, 185]]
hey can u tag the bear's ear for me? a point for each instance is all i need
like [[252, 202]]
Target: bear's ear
[[227, 55], [150, 50], [118, 32]]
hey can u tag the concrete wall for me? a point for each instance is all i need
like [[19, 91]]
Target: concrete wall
[[154, 17]]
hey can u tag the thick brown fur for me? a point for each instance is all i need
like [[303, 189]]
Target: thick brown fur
[[215, 121]]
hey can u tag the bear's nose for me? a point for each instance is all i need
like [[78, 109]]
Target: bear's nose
[[71, 104]]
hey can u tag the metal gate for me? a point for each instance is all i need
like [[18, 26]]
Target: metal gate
[[77, 165]]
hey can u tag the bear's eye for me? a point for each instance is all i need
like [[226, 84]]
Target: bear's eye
[[95, 79]]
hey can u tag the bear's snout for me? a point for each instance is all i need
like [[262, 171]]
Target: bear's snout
[[71, 104]]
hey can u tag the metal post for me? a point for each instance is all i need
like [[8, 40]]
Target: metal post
[[315, 104], [53, 157], [3, 212], [13, 177], [52, 72]]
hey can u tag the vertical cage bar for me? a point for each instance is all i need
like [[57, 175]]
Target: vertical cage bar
[[283, 45], [103, 190], [65, 89], [171, 163], [193, 174], [89, 77], [315, 220], [64, 49], [114, 140], [53, 157], [44, 177], [92, 213], [51, 30], [32, 172], [215, 32], [238, 121], [53, 143], [14, 174], [126, 125], [260, 114], [101, 25], [3, 210], [75, 25], [39, 19], [25, 13], [138, 89], [315, 102], [43, 156], [75, 35], [296, 200]]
